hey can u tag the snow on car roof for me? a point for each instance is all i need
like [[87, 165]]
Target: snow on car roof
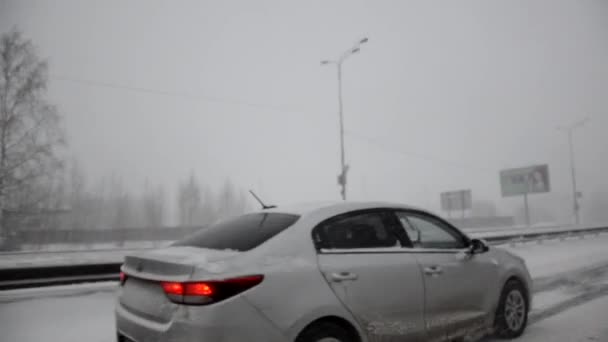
[[334, 207]]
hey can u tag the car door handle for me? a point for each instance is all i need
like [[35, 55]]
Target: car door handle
[[433, 270], [342, 276]]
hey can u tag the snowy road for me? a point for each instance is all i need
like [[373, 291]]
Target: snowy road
[[63, 319], [85, 312], [585, 323], [556, 257]]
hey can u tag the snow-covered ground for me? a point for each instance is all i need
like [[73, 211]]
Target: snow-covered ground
[[98, 246], [85, 312], [89, 317], [541, 228], [584, 323], [63, 318], [99, 254], [553, 257]]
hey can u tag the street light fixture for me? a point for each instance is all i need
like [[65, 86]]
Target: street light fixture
[[344, 167], [575, 194]]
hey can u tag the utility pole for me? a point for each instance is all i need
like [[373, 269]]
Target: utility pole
[[338, 63], [527, 209], [575, 194], [343, 166]]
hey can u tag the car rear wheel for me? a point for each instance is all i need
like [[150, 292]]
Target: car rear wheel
[[326, 332], [512, 313]]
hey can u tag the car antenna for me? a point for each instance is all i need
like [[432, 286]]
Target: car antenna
[[264, 206]]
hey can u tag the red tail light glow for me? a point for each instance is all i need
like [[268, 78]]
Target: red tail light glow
[[123, 278], [199, 289], [173, 288], [208, 292]]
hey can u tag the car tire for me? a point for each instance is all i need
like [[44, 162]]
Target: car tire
[[326, 332], [512, 313]]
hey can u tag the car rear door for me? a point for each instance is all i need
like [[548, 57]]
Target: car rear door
[[366, 266], [457, 284]]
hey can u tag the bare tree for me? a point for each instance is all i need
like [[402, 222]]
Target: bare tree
[[231, 201], [30, 132], [84, 207], [208, 209], [226, 200], [119, 205], [153, 205], [200, 205], [188, 200]]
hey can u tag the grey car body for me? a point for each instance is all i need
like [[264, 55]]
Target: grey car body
[[323, 268]]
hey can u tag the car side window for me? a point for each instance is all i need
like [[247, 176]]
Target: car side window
[[412, 233], [427, 232], [364, 230]]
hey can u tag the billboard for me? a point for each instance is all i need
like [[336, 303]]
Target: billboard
[[456, 200], [525, 180]]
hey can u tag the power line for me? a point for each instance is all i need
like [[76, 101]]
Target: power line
[[383, 146], [204, 98], [372, 141]]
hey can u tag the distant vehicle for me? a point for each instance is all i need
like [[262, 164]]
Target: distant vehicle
[[324, 273]]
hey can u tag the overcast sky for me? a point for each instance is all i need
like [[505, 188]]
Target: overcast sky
[[443, 96]]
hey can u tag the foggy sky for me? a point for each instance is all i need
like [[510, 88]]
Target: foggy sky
[[443, 96]]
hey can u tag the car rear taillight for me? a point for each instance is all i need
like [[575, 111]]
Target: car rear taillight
[[123, 278], [208, 292]]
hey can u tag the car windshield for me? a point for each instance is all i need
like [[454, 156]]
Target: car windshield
[[241, 233]]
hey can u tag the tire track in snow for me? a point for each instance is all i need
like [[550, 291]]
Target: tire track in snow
[[590, 284]]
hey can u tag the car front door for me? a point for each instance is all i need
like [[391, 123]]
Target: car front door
[[367, 267], [458, 285]]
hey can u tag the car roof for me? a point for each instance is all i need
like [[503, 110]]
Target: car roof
[[331, 208]]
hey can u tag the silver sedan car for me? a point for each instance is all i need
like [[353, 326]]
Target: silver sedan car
[[324, 273]]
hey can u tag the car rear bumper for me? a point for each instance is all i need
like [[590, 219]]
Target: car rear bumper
[[233, 321]]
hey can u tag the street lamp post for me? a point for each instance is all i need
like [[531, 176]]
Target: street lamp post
[[338, 63], [570, 130]]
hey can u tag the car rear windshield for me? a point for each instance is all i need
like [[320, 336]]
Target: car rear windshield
[[240, 233]]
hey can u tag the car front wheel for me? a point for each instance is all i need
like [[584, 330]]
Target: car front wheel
[[512, 313]]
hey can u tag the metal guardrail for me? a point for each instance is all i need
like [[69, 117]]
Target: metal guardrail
[[19, 278], [538, 235], [27, 277]]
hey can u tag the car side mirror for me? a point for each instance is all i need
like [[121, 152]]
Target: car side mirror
[[478, 246]]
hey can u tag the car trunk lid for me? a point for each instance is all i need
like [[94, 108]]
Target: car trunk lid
[[142, 292]]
